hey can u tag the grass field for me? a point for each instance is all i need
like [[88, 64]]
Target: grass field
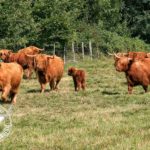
[[104, 117]]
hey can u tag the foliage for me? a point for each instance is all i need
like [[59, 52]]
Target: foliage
[[17, 24], [107, 23], [137, 15]]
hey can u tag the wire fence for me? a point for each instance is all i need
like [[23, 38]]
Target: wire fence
[[75, 51]]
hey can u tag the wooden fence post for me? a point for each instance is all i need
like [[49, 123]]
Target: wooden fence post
[[54, 49], [90, 48], [83, 50], [64, 54], [73, 51], [97, 50]]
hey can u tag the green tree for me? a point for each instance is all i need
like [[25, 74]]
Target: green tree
[[18, 28], [137, 15]]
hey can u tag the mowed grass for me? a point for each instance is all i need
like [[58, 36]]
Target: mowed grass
[[103, 117]]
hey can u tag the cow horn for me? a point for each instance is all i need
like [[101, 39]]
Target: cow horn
[[30, 55], [52, 57], [41, 49], [116, 55], [109, 53]]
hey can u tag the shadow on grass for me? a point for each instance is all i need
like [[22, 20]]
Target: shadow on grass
[[110, 93], [38, 91], [5, 102]]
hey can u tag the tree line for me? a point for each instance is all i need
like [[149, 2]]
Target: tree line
[[111, 25]]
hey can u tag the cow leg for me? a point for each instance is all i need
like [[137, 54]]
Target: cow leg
[[5, 93], [30, 73], [130, 89], [83, 85], [145, 87], [56, 86], [52, 84], [79, 85], [13, 97], [75, 84], [43, 87]]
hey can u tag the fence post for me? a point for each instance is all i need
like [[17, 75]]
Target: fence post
[[90, 48], [83, 50], [64, 54], [73, 51], [97, 51], [54, 49]]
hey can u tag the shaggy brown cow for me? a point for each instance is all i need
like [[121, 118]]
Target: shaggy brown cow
[[10, 78], [78, 78], [137, 71], [21, 58], [49, 69]]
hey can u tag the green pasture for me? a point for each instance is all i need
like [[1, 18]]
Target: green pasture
[[103, 117]]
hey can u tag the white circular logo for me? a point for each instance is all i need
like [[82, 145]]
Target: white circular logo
[[5, 122]]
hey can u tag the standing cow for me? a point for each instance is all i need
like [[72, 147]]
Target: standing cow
[[49, 69], [137, 71], [10, 78]]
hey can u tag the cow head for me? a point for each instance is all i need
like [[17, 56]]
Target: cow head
[[71, 71], [35, 50], [40, 61], [4, 54], [122, 64]]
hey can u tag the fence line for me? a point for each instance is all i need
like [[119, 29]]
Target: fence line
[[75, 51]]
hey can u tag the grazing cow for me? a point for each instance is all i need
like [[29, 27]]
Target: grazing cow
[[137, 71], [49, 69], [78, 78], [21, 58], [10, 78]]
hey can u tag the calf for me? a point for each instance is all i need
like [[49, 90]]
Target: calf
[[78, 78]]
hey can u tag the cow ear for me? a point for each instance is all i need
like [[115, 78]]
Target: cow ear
[[148, 55], [130, 60], [125, 54], [134, 55], [50, 57], [9, 52]]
